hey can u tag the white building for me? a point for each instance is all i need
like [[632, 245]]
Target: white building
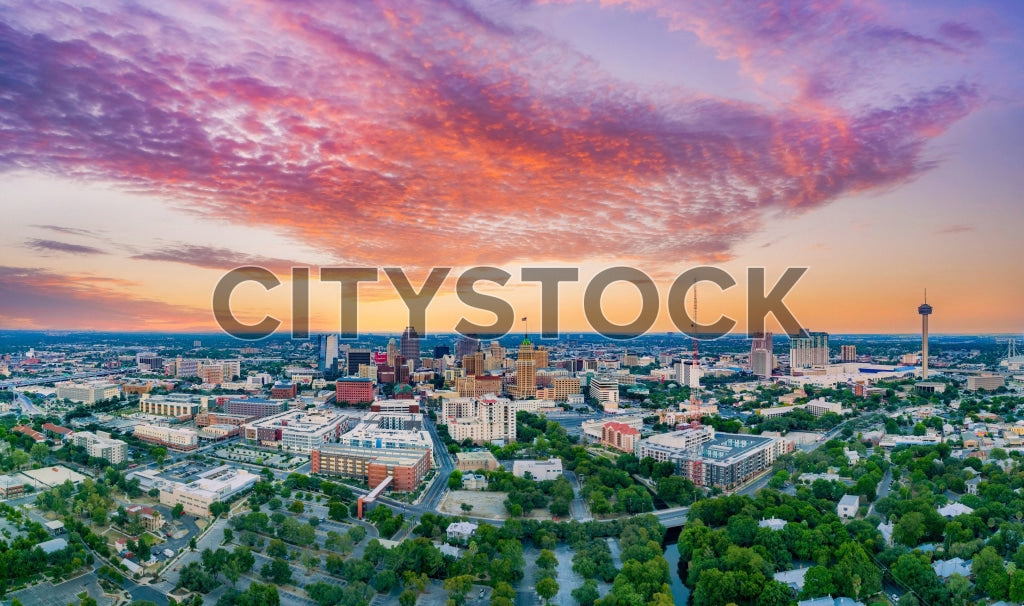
[[215, 485], [176, 439], [173, 405], [848, 506], [297, 430], [487, 419], [101, 445], [538, 470], [461, 532], [605, 390], [389, 430], [87, 393]]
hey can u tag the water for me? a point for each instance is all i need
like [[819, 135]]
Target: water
[[680, 592]]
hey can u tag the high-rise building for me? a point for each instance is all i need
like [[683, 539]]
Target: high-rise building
[[540, 357], [925, 310], [473, 364], [848, 353], [328, 353], [762, 360], [809, 350], [465, 346], [440, 351], [410, 346], [393, 352], [526, 371], [357, 358]]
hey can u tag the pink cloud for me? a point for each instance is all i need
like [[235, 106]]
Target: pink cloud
[[425, 132]]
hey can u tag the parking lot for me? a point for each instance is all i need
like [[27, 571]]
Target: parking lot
[[253, 456], [64, 593]]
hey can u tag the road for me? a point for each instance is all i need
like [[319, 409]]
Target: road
[[54, 378], [578, 506], [27, 407]]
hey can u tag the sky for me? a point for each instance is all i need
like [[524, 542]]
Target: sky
[[148, 148]]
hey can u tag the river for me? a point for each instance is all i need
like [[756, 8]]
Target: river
[[680, 592]]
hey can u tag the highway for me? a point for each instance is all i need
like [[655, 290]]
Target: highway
[[8, 384]]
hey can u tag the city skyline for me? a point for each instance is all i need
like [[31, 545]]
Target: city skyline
[[149, 150]]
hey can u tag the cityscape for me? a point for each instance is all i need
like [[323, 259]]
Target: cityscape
[[484, 303]]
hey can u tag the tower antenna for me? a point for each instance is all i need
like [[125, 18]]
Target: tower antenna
[[695, 380]]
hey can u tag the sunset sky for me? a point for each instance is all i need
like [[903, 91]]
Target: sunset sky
[[146, 148]]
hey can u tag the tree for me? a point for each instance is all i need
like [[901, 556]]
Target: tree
[[817, 583], [177, 510], [277, 571], [39, 452], [159, 455], [455, 480], [407, 598], [297, 507], [467, 507], [547, 560], [547, 588], [1016, 587], [458, 586], [990, 574], [586, 594], [909, 529], [960, 590], [774, 593], [854, 574]]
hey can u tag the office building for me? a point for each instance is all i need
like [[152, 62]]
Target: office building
[[87, 393], [354, 390], [254, 407], [465, 346], [216, 485], [172, 405], [175, 439], [327, 353], [357, 357], [605, 389], [526, 376], [284, 390], [410, 346], [478, 386], [206, 419], [986, 382], [565, 387], [762, 357]]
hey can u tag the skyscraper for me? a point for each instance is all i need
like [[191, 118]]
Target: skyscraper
[[410, 346], [466, 346], [328, 353], [848, 353], [925, 310], [808, 351], [762, 360], [393, 352], [526, 376]]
